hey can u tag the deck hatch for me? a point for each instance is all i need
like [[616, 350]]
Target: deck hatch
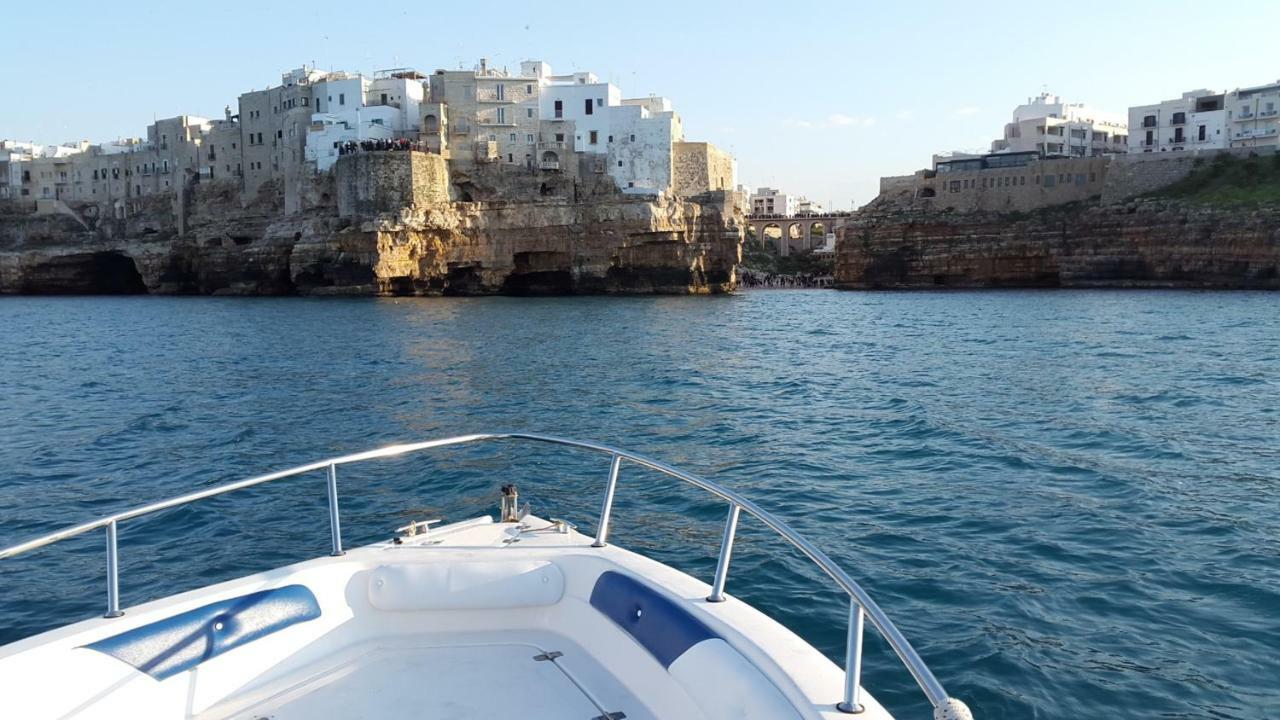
[[177, 644]]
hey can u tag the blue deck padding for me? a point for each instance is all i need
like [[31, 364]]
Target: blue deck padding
[[179, 643], [664, 628]]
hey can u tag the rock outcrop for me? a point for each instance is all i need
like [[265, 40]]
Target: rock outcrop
[[1142, 243], [390, 223]]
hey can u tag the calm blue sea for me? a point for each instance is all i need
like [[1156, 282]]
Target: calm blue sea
[[1068, 501]]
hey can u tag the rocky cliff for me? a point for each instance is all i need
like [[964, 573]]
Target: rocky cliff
[[1142, 243], [395, 223]]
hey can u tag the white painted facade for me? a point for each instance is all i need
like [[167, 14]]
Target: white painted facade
[[772, 201], [583, 100], [1208, 120], [354, 108], [1196, 121], [805, 206], [1253, 116], [1054, 128], [639, 144], [402, 93]]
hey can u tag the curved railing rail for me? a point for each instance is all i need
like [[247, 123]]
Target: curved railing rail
[[861, 606]]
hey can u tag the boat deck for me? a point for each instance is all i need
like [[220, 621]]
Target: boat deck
[[467, 678]]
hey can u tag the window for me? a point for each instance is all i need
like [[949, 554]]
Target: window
[[513, 137], [610, 138], [528, 112], [559, 137], [633, 137], [510, 158], [619, 163], [559, 108], [588, 108], [599, 102], [501, 115], [528, 89], [342, 98], [594, 137], [279, 134], [529, 138], [1202, 133]]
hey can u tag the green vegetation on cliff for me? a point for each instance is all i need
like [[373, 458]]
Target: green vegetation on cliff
[[764, 260], [1229, 180]]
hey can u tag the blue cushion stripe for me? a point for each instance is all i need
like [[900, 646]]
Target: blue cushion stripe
[[177, 644], [658, 623]]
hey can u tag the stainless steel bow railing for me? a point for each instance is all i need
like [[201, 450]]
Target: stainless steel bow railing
[[861, 606]]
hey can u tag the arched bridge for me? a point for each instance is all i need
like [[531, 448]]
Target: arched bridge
[[796, 233]]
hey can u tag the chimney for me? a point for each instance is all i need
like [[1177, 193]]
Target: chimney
[[484, 65]]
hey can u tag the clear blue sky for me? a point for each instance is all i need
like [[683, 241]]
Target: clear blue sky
[[816, 98]]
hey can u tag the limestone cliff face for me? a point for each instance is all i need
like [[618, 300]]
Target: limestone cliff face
[[383, 224], [1146, 243]]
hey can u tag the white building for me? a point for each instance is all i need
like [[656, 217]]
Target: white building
[[1195, 121], [580, 99], [805, 206], [771, 201], [1253, 115], [641, 136], [1053, 128], [351, 108], [1208, 120]]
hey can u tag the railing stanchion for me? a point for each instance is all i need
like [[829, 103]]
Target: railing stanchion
[[113, 572], [853, 661], [606, 507], [335, 524], [726, 549]]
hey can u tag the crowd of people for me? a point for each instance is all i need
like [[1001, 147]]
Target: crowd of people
[[755, 279], [353, 146]]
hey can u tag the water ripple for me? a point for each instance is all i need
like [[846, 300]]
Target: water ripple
[[1066, 500]]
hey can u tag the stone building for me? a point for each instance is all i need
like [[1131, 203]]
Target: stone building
[[273, 126], [570, 129], [1009, 182], [702, 167], [563, 124]]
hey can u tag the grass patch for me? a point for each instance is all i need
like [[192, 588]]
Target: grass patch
[[1229, 180]]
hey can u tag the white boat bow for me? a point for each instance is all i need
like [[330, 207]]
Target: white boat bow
[[515, 617]]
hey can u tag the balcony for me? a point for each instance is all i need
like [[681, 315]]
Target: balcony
[[549, 165], [1268, 113], [1245, 116]]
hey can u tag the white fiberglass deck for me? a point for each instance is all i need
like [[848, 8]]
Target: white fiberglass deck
[[450, 679]]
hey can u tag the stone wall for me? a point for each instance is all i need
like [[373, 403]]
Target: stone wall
[[699, 167], [369, 183], [1039, 184], [1137, 174]]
